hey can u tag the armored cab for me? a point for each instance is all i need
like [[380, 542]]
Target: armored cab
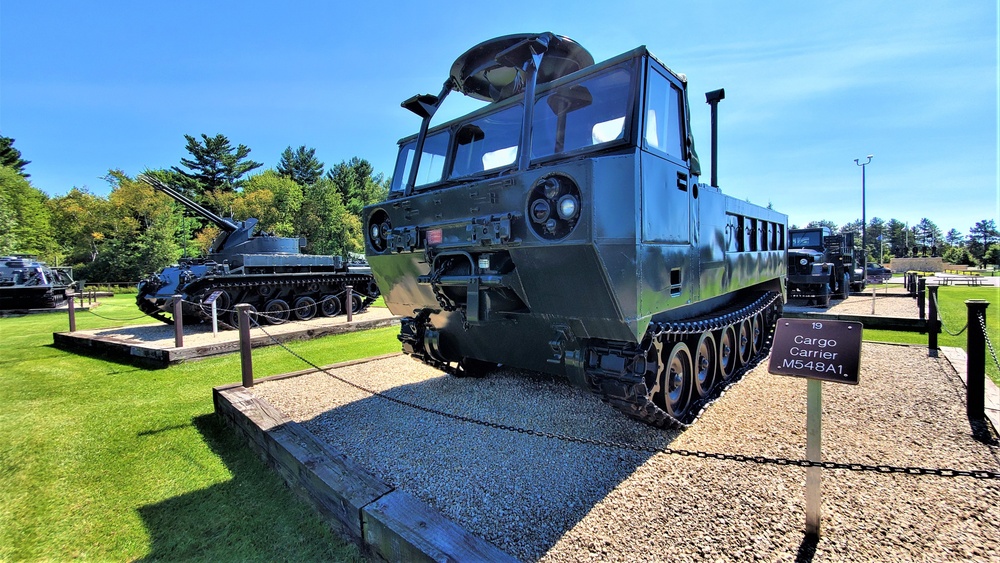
[[247, 266], [26, 283], [563, 228]]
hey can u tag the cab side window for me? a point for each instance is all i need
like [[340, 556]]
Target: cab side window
[[663, 117]]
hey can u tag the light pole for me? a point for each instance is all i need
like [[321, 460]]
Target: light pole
[[864, 221]]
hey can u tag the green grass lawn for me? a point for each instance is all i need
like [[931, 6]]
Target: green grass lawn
[[954, 313], [104, 460]]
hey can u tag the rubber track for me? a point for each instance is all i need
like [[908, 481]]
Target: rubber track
[[628, 392]]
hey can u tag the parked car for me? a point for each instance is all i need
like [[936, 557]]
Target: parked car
[[877, 273]]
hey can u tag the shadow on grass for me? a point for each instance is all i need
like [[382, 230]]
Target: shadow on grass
[[252, 516]]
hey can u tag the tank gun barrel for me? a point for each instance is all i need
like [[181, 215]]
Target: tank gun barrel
[[221, 222]]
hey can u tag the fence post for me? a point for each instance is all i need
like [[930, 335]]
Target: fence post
[[72, 313], [921, 297], [350, 303], [178, 322], [932, 322], [246, 358], [975, 367]]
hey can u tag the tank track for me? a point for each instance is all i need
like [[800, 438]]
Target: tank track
[[628, 389], [240, 285]]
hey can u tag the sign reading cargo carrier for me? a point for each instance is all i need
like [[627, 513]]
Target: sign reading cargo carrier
[[826, 350]]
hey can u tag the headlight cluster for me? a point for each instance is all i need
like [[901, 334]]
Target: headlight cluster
[[378, 230], [554, 206]]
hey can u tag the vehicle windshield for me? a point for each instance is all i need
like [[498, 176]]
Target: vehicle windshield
[[807, 239], [575, 116]]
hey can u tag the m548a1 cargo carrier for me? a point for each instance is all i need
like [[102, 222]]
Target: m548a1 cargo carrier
[[563, 228]]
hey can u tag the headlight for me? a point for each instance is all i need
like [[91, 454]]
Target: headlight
[[540, 211], [804, 261], [568, 207]]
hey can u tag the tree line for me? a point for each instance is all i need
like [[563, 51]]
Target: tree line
[[135, 231], [895, 239]]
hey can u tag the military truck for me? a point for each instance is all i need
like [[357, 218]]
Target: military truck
[[563, 228], [822, 265]]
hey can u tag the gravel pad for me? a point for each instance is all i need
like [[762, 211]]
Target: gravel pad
[[544, 499]]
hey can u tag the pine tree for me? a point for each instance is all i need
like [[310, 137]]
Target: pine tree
[[11, 157], [216, 166], [300, 165]]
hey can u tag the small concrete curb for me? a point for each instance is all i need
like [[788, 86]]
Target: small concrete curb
[[358, 506], [959, 361]]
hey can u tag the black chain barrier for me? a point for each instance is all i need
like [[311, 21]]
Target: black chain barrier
[[986, 335], [941, 319], [760, 460], [113, 319]]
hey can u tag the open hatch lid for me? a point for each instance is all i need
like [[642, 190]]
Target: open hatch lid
[[478, 74]]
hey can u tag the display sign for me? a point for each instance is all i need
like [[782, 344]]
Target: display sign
[[817, 349], [212, 297]]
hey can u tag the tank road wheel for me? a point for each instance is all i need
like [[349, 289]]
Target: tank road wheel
[[706, 362], [728, 357], [305, 308], [233, 318], [329, 306], [744, 341], [677, 378], [357, 302], [276, 311], [757, 332]]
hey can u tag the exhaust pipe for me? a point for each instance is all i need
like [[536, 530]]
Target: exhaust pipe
[[713, 98]]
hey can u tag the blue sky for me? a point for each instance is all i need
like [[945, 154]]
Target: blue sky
[[810, 86]]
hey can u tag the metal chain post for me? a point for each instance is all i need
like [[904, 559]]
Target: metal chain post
[[975, 366], [932, 323]]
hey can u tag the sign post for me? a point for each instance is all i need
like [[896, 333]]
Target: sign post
[[215, 312], [819, 351]]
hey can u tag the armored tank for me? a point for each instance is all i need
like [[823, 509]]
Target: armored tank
[[247, 266], [562, 228], [26, 283]]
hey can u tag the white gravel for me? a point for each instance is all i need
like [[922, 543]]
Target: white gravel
[[543, 499]]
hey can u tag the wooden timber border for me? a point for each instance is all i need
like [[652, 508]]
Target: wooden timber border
[[361, 508], [157, 356]]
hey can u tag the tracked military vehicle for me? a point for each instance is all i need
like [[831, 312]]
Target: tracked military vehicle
[[26, 283], [563, 228], [246, 266]]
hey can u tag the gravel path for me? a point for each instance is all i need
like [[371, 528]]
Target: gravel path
[[542, 499]]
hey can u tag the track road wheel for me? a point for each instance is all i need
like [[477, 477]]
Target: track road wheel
[[357, 301], [744, 341], [675, 380], [329, 306], [276, 311], [757, 332], [728, 356], [706, 361], [233, 318], [305, 308]]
